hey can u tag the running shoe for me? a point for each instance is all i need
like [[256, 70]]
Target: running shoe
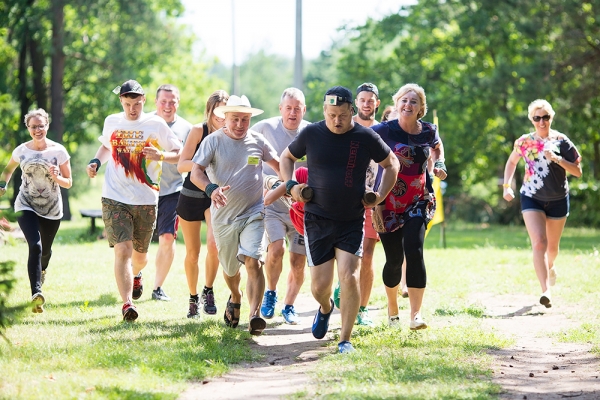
[[320, 324], [394, 321], [138, 286], [336, 295], [268, 304], [193, 310], [160, 294], [208, 303], [545, 299], [345, 347], [289, 315], [38, 302], [362, 318], [129, 312], [417, 323]]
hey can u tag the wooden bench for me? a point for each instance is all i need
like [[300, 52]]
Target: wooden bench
[[93, 214]]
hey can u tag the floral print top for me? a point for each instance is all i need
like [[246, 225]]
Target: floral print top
[[545, 180]]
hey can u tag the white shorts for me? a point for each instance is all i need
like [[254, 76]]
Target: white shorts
[[238, 240], [279, 226]]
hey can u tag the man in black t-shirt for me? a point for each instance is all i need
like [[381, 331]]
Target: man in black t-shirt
[[338, 152]]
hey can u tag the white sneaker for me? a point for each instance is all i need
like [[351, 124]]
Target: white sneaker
[[545, 299], [552, 276], [417, 323], [394, 321], [38, 301]]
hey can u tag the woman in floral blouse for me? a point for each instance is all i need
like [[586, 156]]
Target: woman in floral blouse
[[548, 156]]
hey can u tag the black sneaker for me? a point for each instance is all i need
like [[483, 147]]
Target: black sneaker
[[208, 303], [160, 294], [193, 311], [138, 286]]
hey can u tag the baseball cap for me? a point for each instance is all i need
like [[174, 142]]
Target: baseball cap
[[130, 86], [367, 87], [338, 95]]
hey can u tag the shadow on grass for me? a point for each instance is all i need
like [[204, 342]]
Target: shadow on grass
[[115, 392], [178, 349]]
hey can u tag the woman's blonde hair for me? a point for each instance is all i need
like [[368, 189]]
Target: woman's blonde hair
[[539, 104], [219, 96], [39, 112], [419, 91]]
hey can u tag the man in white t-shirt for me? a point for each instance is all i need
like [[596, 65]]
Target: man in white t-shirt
[[233, 157], [134, 146], [171, 182], [280, 131]]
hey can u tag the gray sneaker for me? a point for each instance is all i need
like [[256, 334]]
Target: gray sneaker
[[160, 294]]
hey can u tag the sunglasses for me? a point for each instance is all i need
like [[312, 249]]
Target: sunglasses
[[537, 118]]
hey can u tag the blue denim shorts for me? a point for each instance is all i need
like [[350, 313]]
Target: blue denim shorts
[[555, 209]]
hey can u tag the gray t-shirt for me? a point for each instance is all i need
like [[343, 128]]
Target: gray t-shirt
[[280, 138], [171, 181], [237, 163]]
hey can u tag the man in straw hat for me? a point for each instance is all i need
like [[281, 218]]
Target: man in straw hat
[[233, 158], [338, 152]]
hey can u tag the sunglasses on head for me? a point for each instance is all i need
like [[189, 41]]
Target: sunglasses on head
[[537, 118]]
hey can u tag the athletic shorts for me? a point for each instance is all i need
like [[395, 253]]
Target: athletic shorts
[[555, 209], [370, 233], [278, 226], [167, 222], [124, 222], [192, 208], [240, 239], [323, 235]]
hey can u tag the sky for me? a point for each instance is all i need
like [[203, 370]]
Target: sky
[[270, 24]]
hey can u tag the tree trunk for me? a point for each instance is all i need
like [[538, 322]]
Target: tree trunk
[[24, 102], [37, 66], [56, 86]]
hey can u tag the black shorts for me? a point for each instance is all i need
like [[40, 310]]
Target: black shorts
[[166, 221], [322, 235], [192, 208], [554, 209]]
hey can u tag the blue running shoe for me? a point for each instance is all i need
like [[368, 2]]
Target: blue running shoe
[[321, 322], [345, 347], [336, 295], [289, 315], [268, 304]]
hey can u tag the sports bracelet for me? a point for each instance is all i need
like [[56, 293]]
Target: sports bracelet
[[441, 165], [289, 185], [97, 162], [210, 188], [3, 184], [506, 185]]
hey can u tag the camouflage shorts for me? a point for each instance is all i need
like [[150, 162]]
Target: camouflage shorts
[[125, 222]]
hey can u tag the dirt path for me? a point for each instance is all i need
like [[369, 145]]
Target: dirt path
[[560, 370]]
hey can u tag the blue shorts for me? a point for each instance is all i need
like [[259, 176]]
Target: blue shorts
[[554, 209], [323, 235], [166, 222]]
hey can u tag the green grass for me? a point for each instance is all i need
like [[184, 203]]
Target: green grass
[[80, 347]]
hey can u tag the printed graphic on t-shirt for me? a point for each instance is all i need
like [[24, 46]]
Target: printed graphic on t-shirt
[[38, 189], [127, 152]]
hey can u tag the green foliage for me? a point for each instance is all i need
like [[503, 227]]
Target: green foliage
[[8, 313]]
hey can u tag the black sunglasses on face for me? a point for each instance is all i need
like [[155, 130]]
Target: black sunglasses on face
[[537, 118]]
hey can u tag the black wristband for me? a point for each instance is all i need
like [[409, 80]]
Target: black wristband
[[210, 188], [289, 185], [439, 164], [3, 184], [97, 162]]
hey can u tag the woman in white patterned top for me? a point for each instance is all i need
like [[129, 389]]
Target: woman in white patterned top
[[45, 169]]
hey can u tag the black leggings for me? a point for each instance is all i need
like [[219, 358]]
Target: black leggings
[[39, 233], [406, 240]]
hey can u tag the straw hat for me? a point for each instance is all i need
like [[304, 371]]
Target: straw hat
[[237, 104]]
